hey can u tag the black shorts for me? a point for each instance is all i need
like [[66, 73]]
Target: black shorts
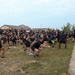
[[0, 46], [27, 44], [74, 36], [62, 41], [33, 48]]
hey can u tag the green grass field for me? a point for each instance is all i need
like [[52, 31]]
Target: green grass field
[[51, 61]]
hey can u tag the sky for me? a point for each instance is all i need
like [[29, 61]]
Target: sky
[[37, 13]]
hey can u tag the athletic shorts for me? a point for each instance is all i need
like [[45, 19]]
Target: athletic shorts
[[62, 41], [27, 44], [33, 48], [0, 46]]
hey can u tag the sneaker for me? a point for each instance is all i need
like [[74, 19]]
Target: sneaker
[[2, 57], [30, 53], [9, 47], [53, 48], [14, 47], [34, 56], [49, 46], [37, 55], [24, 49], [27, 52], [21, 43]]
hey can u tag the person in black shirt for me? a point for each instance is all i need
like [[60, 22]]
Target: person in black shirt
[[37, 35], [14, 40], [1, 47], [26, 45], [58, 35], [32, 39], [26, 42], [74, 35], [1, 31], [45, 40], [51, 40], [9, 40], [62, 39], [36, 47]]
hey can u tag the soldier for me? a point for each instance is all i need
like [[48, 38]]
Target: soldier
[[1, 47]]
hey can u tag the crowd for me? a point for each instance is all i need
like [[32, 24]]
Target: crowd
[[33, 41]]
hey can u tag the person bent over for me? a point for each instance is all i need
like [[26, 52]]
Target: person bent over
[[36, 47], [26, 45]]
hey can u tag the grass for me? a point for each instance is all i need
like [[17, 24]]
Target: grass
[[51, 61]]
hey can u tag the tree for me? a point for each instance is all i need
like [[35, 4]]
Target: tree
[[67, 28], [73, 27]]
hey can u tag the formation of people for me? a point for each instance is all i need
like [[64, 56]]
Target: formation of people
[[33, 41]]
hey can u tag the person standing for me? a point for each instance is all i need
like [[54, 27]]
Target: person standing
[[14, 39], [62, 39], [74, 35]]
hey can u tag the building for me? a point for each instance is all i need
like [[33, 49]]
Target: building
[[6, 27]]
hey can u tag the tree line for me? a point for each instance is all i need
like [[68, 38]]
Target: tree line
[[68, 27]]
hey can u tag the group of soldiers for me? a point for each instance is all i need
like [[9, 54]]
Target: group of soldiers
[[32, 41]]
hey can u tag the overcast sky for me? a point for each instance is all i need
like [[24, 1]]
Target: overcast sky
[[37, 13]]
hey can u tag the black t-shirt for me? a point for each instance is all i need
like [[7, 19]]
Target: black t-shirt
[[45, 39], [36, 44], [4, 39], [32, 39], [62, 36], [0, 42], [1, 31], [74, 34], [26, 42], [14, 39]]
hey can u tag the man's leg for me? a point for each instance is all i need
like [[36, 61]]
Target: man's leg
[[59, 45], [3, 52], [0, 51], [24, 47], [65, 45], [35, 52], [39, 50]]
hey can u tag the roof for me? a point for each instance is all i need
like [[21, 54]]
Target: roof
[[17, 27], [24, 26]]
